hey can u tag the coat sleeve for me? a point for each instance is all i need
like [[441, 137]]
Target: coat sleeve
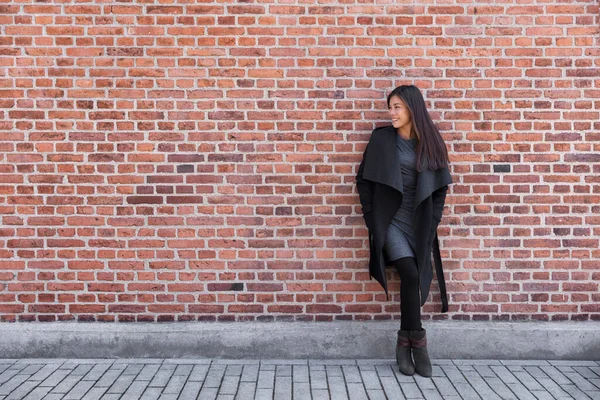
[[365, 188]]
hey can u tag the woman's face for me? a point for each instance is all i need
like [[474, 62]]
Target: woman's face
[[399, 112]]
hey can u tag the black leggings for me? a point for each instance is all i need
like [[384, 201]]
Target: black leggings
[[410, 303]]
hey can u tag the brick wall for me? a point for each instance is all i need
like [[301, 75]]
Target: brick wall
[[196, 161]]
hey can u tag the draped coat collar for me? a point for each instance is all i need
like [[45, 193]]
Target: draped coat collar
[[382, 166]]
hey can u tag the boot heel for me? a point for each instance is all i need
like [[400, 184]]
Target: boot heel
[[403, 357]]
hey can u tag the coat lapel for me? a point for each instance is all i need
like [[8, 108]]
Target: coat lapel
[[382, 160], [428, 181], [382, 165]]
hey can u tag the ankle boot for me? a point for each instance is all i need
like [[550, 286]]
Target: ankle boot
[[418, 343], [403, 358]]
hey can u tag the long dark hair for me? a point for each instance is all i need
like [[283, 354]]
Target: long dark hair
[[431, 149]]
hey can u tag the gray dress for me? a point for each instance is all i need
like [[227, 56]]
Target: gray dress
[[400, 238]]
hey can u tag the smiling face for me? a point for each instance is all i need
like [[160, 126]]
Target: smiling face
[[399, 113]]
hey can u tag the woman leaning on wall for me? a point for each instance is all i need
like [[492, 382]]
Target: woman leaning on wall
[[402, 183]]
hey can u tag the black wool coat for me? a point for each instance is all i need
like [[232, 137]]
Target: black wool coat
[[379, 184]]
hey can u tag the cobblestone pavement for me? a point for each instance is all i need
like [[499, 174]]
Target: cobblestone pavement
[[182, 379]]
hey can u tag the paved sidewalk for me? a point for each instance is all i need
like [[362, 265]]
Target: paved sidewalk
[[182, 379]]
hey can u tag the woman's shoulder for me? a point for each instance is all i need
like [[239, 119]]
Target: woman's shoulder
[[381, 132], [381, 129]]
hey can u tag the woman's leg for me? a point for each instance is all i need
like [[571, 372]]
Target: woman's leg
[[410, 304]]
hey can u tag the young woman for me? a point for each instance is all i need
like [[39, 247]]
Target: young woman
[[402, 183]]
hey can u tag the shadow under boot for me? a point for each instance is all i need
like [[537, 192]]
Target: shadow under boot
[[403, 358], [418, 343]]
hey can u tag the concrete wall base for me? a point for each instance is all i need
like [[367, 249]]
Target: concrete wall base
[[319, 340]]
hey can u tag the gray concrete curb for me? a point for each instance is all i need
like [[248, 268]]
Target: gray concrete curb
[[320, 340]]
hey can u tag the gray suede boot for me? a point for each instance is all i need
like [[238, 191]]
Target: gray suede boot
[[418, 343], [403, 358]]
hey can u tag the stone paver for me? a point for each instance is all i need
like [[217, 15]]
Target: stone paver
[[206, 379]]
